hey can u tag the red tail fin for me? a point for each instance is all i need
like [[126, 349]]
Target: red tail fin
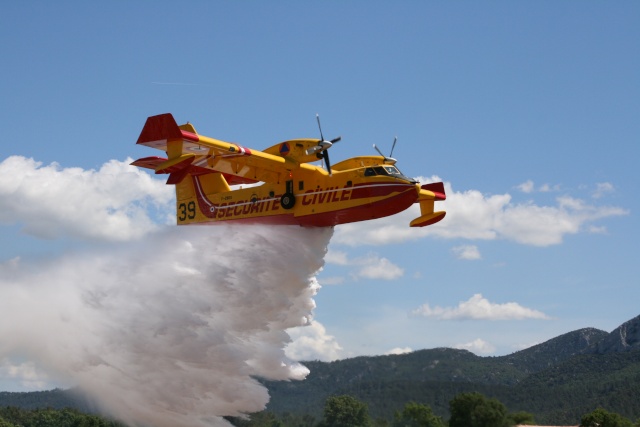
[[161, 128]]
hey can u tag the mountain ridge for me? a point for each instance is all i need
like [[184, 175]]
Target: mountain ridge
[[625, 337], [558, 380]]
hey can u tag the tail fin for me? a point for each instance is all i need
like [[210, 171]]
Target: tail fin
[[160, 129], [187, 164], [163, 133]]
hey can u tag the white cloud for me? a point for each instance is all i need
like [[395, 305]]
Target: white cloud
[[477, 346], [597, 230], [370, 266], [400, 350], [336, 257], [311, 342], [602, 188], [468, 252], [546, 188], [26, 373], [112, 203], [526, 187], [529, 187], [473, 215], [332, 280], [479, 308], [374, 267]]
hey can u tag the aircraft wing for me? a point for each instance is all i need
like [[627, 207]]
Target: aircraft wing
[[185, 148]]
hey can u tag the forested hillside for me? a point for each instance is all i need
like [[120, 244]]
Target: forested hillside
[[557, 380]]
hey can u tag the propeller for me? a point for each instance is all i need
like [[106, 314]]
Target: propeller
[[390, 154], [321, 150], [393, 146]]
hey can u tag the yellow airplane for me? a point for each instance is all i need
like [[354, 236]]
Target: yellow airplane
[[279, 185]]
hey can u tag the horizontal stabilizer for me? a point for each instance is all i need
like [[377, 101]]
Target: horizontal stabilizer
[[180, 163], [160, 165], [177, 172]]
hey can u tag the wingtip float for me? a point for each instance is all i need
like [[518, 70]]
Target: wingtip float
[[284, 188]]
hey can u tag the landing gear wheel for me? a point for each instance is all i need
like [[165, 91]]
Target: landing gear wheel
[[288, 200]]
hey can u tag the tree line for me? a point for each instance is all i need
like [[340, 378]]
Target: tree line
[[12, 416], [466, 410]]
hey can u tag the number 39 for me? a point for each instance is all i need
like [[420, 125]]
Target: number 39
[[186, 210]]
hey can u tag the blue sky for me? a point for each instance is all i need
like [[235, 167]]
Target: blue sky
[[528, 111]]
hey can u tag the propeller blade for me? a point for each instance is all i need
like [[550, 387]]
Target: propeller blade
[[323, 146], [319, 127], [378, 150], [393, 146], [325, 154]]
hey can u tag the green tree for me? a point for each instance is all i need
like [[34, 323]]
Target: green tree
[[521, 418], [5, 423], [345, 411], [12, 416], [417, 415], [603, 418], [380, 422], [475, 410], [15, 415], [259, 419]]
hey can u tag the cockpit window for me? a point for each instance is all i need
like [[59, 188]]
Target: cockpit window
[[391, 170], [380, 170], [386, 171]]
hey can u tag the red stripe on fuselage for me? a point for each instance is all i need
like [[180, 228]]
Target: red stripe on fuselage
[[265, 210], [389, 206], [379, 189]]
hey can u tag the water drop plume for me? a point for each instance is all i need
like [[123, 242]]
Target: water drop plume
[[170, 331]]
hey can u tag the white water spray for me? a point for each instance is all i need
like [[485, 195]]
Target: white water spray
[[170, 331]]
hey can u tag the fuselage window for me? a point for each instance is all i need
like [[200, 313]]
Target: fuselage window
[[369, 172]]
